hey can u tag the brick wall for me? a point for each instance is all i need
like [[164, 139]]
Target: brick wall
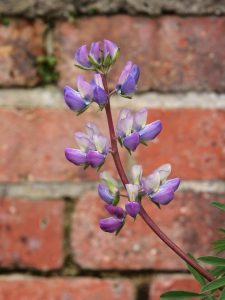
[[50, 244]]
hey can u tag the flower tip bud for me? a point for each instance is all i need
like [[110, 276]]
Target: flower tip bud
[[110, 224], [133, 208]]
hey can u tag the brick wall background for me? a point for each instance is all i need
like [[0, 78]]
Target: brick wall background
[[50, 244]]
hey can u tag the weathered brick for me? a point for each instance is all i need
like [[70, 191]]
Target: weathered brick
[[31, 234], [174, 53], [191, 140], [14, 288], [137, 247], [166, 283], [20, 43], [34, 142], [59, 8]]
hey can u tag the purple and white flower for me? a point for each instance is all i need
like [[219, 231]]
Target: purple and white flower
[[108, 188], [132, 207], [128, 80]]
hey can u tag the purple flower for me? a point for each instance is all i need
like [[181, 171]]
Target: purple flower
[[95, 159], [132, 208], [76, 156], [81, 56], [105, 194], [111, 224], [158, 188], [115, 222], [127, 82], [150, 131], [163, 196], [131, 141], [100, 95], [110, 52], [115, 211], [73, 99], [125, 123]]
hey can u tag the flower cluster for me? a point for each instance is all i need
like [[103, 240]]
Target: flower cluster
[[97, 59], [94, 148], [86, 93], [132, 129]]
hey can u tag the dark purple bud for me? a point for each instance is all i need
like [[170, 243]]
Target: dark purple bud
[[76, 156], [105, 194], [172, 183], [129, 86], [150, 131], [110, 224], [163, 196], [81, 57], [100, 96], [95, 52], [95, 159], [135, 73], [132, 141], [132, 208], [116, 211], [73, 99]]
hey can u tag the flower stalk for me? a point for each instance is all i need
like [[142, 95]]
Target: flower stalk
[[143, 214]]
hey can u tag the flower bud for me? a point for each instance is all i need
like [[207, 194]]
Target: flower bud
[[73, 99], [105, 194], [115, 211], [95, 159], [150, 131], [127, 82], [81, 56], [111, 224], [76, 156], [163, 196], [131, 141], [133, 208], [100, 95], [110, 53], [94, 55]]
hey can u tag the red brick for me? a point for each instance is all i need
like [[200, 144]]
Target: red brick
[[192, 140], [13, 288], [20, 43], [174, 53], [166, 283], [31, 234], [137, 247], [34, 142]]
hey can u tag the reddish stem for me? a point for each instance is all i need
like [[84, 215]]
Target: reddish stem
[[148, 220]]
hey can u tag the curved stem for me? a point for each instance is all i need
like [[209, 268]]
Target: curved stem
[[148, 220]]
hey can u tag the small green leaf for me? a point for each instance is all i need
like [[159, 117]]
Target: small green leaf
[[213, 260], [195, 273], [218, 205], [214, 285], [219, 245], [180, 295], [218, 271], [222, 295]]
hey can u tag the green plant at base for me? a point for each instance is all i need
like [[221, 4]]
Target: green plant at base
[[46, 67]]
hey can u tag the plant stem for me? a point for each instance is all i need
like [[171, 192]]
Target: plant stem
[[148, 220]]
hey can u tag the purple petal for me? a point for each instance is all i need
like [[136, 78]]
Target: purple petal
[[95, 159], [81, 56], [131, 141], [135, 73], [84, 88], [150, 131], [105, 194], [140, 119], [110, 48], [100, 96], [84, 141], [115, 210], [73, 99], [129, 86], [110, 224], [132, 208], [163, 196], [125, 73], [98, 80], [76, 156], [172, 183], [95, 51]]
